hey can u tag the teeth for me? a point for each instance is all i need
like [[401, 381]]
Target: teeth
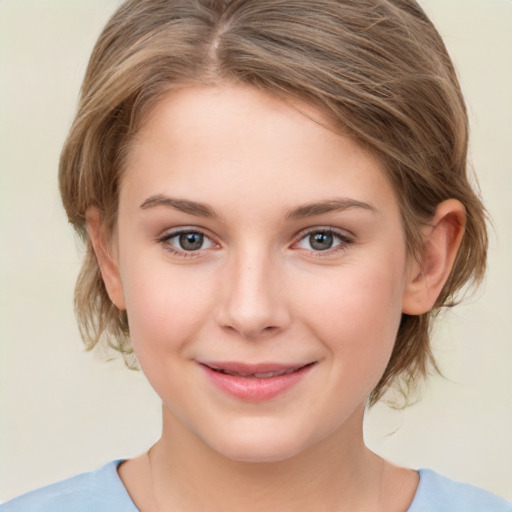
[[266, 375]]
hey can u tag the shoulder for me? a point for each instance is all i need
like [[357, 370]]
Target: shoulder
[[437, 493], [100, 490]]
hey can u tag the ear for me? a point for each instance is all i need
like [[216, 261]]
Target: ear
[[442, 238], [107, 262]]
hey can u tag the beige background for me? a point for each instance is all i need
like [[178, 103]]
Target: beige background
[[63, 411]]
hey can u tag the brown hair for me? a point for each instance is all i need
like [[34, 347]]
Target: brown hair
[[378, 67]]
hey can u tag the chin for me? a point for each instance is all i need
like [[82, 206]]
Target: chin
[[260, 445], [260, 453]]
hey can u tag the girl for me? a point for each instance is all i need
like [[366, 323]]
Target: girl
[[275, 204]]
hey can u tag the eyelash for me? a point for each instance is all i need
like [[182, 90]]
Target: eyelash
[[342, 238], [165, 241]]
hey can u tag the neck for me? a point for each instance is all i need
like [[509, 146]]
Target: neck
[[337, 473]]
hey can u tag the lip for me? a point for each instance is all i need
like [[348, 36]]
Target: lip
[[255, 382]]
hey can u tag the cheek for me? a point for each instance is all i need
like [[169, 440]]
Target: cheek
[[356, 314], [165, 307]]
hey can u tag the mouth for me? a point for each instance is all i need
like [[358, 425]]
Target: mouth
[[255, 382], [258, 371]]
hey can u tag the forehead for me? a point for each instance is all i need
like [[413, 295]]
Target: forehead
[[248, 149]]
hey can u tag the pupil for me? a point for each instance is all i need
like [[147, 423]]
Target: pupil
[[321, 241], [191, 241]]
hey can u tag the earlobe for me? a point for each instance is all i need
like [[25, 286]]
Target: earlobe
[[442, 240], [108, 265]]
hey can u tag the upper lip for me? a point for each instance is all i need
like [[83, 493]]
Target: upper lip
[[248, 369]]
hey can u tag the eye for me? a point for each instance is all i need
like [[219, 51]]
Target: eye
[[323, 240], [186, 241]]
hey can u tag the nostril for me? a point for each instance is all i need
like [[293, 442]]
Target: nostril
[[253, 333]]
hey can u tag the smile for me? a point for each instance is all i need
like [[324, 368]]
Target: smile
[[259, 375], [254, 383]]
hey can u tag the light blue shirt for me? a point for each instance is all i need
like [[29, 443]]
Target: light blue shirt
[[103, 491]]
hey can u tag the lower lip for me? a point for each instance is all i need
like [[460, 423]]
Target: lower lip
[[254, 389]]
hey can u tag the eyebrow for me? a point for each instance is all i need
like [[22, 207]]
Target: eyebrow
[[327, 206], [182, 205], [299, 212]]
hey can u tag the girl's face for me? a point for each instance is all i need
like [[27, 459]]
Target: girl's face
[[263, 266]]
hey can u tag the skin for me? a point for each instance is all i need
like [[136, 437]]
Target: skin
[[257, 290]]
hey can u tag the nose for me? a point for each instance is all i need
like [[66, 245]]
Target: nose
[[253, 304]]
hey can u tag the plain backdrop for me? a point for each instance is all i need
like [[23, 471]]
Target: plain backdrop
[[63, 411]]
